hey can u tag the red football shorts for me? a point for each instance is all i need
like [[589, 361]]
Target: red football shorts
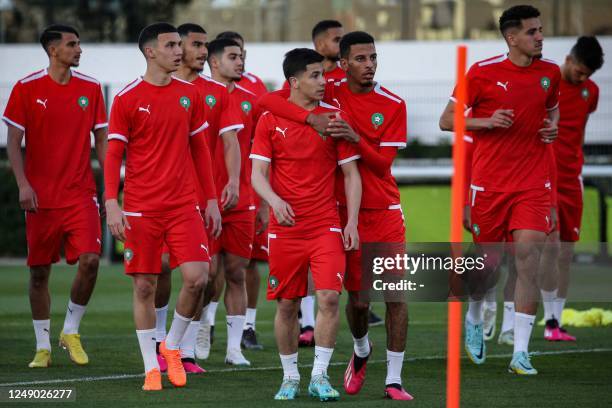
[[290, 259], [77, 227], [496, 214], [569, 214], [237, 234], [260, 243], [183, 232], [375, 226]]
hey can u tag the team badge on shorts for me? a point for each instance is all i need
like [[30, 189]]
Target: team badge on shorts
[[185, 102], [476, 229], [83, 102], [246, 106], [545, 82], [210, 101], [273, 281], [128, 255], [585, 94], [377, 119]]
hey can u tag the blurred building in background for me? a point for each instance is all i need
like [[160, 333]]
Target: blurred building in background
[[292, 20]]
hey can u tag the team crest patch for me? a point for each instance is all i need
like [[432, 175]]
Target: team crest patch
[[210, 101], [83, 102], [246, 106], [476, 229], [377, 119], [545, 82], [273, 281], [128, 255], [185, 102], [585, 94]]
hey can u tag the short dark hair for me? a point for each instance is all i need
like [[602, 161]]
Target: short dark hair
[[216, 47], [185, 29], [353, 38], [512, 17], [54, 33], [323, 26], [587, 51], [152, 31], [229, 35], [298, 59]]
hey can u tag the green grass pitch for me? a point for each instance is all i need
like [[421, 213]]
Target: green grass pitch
[[570, 374]]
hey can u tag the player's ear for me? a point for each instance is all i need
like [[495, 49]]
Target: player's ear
[[293, 82], [344, 64]]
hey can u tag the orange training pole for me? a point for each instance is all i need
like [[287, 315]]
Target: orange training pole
[[453, 360]]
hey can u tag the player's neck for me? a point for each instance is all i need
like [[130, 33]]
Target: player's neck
[[357, 88], [186, 74], [564, 73], [329, 65], [519, 59], [157, 76], [60, 73], [229, 83], [302, 101]]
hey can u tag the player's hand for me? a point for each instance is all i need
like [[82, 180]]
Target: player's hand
[[229, 195], [338, 128], [549, 132], [553, 218], [27, 198], [318, 122], [501, 118], [115, 219], [350, 237], [467, 218], [283, 212], [262, 218], [212, 218]]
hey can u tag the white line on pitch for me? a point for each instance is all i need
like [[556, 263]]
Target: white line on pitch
[[271, 368]]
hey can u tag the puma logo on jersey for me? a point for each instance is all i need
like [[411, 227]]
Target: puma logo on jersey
[[43, 103], [282, 131], [141, 109], [503, 85]]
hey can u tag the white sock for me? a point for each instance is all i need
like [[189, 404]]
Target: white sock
[[204, 316], [308, 313], [322, 355], [395, 360], [189, 340], [212, 312], [290, 366], [234, 331], [548, 301], [177, 331], [474, 312], [146, 341], [161, 317], [249, 321], [508, 321], [361, 346], [523, 324], [490, 298], [559, 306], [41, 331], [74, 314]]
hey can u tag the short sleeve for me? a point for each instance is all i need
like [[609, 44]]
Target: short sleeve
[[594, 99], [472, 88], [15, 112], [119, 126], [396, 132], [346, 152], [552, 99], [262, 144], [197, 122], [231, 118], [100, 121]]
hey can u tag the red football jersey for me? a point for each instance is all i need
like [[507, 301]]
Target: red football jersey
[[302, 171], [246, 103], [576, 102], [57, 120], [156, 122], [379, 117], [222, 116], [254, 84], [512, 159]]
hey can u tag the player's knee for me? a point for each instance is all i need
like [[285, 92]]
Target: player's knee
[[288, 308], [39, 277], [328, 301], [357, 304], [89, 264], [144, 289]]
